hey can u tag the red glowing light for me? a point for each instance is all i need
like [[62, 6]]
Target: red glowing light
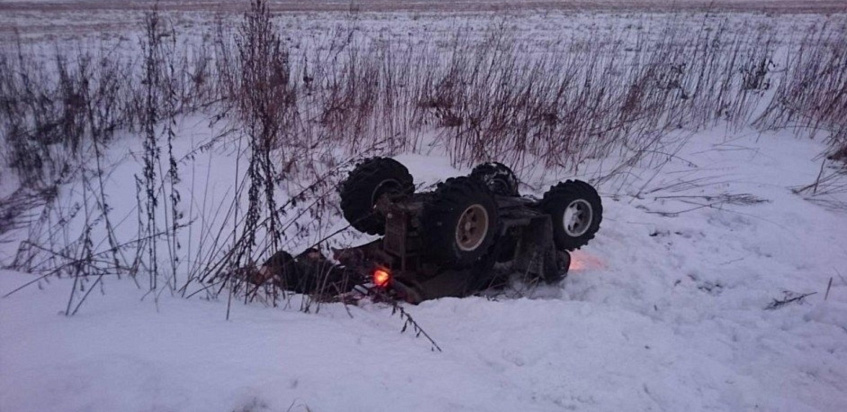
[[381, 278], [577, 263], [582, 261]]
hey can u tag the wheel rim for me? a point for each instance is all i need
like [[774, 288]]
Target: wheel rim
[[577, 218], [501, 186], [472, 228], [386, 187]]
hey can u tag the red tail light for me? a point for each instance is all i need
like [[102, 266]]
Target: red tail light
[[382, 278]]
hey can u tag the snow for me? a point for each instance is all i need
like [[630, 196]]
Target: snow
[[664, 310]]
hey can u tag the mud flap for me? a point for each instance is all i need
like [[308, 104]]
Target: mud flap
[[536, 255]]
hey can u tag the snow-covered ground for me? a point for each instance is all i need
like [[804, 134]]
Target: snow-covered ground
[[669, 308], [57, 20], [665, 310], [436, 5]]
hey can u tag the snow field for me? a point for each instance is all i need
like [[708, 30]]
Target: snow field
[[660, 313], [664, 310]]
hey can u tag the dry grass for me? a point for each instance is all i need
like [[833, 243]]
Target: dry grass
[[307, 114]]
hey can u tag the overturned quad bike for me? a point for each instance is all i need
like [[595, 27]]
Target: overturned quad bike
[[469, 234]]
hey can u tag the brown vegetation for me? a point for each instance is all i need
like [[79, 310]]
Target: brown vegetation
[[484, 98]]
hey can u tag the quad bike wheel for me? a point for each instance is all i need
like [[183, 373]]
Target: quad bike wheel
[[309, 272], [370, 180], [499, 178], [460, 222], [576, 211], [285, 273]]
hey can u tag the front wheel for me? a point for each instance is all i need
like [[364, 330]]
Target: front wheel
[[499, 178], [285, 272], [576, 212]]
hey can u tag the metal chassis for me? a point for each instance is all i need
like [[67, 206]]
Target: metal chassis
[[524, 245]]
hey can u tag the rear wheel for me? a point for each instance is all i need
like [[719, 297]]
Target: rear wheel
[[366, 184], [460, 221], [576, 211], [499, 178]]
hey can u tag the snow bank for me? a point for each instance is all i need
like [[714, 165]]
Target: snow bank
[[664, 310]]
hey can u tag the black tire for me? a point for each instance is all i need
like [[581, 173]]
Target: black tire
[[583, 218], [371, 179], [460, 221], [286, 273], [499, 178]]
